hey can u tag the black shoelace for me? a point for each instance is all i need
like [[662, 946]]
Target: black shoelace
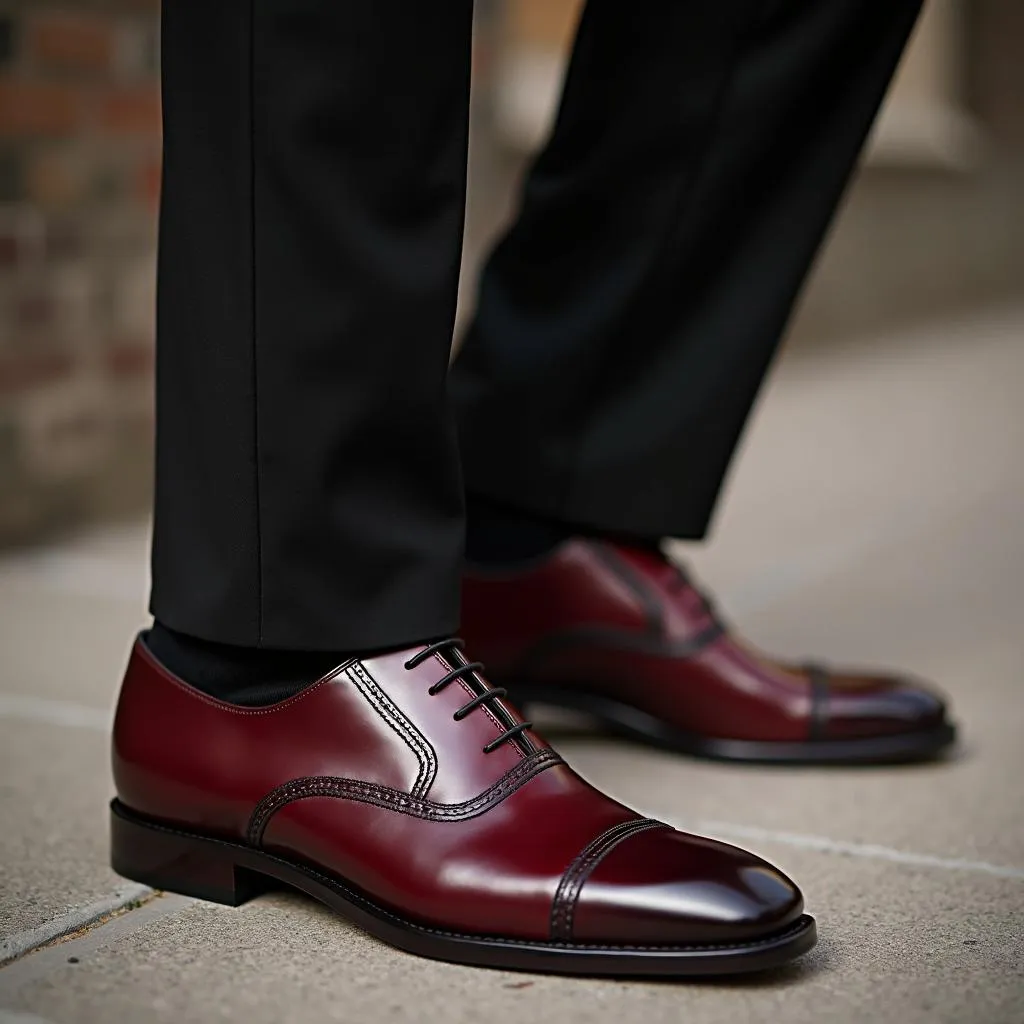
[[465, 672]]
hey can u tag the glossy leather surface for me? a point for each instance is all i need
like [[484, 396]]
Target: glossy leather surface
[[626, 624], [366, 776]]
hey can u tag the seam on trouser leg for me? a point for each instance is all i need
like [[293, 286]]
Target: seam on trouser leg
[[254, 312]]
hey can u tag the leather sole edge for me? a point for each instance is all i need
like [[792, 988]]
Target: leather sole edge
[[232, 873]]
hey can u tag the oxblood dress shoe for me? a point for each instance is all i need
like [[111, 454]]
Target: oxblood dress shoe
[[621, 633], [404, 792]]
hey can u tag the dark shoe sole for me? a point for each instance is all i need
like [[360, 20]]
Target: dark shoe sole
[[232, 873], [624, 720]]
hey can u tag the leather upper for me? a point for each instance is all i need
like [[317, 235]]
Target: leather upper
[[367, 776], [626, 623]]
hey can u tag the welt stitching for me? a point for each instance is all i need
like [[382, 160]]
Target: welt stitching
[[393, 799], [405, 730], [564, 904]]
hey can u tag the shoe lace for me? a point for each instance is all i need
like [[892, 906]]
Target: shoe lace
[[466, 671]]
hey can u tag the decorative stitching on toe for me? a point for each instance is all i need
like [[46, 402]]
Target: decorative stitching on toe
[[563, 906], [820, 680]]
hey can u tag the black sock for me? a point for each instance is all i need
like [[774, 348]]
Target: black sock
[[240, 675], [500, 535]]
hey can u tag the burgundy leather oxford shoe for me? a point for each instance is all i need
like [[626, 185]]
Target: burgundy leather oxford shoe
[[404, 792], [621, 633]]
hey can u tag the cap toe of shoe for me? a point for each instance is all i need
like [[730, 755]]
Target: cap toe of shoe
[[862, 706], [663, 887]]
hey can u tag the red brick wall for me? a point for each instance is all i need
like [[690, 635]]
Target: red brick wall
[[79, 180]]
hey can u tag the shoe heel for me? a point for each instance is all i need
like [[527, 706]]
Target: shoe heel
[[175, 862]]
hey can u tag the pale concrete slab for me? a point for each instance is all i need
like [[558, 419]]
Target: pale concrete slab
[[54, 788], [869, 444], [68, 615]]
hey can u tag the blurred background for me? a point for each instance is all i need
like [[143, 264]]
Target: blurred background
[[934, 223]]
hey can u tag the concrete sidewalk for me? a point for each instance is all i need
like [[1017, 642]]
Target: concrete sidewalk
[[875, 515]]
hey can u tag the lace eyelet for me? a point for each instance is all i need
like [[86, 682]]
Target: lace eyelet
[[460, 672]]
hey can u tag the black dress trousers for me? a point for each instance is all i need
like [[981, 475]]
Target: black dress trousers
[[308, 490], [627, 319]]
